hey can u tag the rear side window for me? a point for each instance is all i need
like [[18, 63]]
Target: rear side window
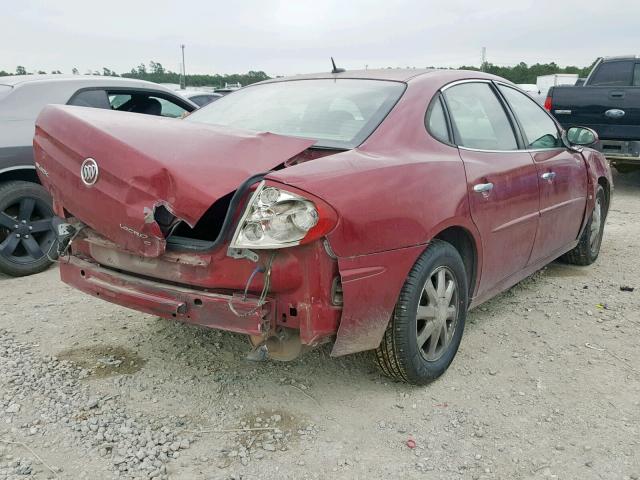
[[540, 131], [436, 122], [90, 98], [636, 77], [202, 100], [478, 118], [613, 74]]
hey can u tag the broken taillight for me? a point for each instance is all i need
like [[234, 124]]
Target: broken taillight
[[278, 217]]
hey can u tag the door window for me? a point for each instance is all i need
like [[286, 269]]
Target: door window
[[539, 129], [636, 75], [478, 118], [140, 102], [613, 74]]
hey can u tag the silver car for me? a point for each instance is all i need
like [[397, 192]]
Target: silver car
[[25, 207]]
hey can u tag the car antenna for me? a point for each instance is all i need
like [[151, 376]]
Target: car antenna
[[336, 69]]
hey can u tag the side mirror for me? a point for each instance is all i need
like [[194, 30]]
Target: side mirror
[[582, 136]]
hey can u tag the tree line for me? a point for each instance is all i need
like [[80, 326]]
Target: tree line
[[155, 72]]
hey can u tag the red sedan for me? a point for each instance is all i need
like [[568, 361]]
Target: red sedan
[[369, 209]]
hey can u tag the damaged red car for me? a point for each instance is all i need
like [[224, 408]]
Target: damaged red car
[[369, 209]]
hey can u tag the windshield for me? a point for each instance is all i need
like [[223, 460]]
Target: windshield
[[337, 113], [4, 91]]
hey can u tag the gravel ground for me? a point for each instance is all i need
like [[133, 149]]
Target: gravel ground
[[546, 385]]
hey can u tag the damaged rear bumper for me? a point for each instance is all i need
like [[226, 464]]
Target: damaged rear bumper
[[189, 305]]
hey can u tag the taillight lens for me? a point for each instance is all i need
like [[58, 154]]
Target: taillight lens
[[278, 218], [547, 104]]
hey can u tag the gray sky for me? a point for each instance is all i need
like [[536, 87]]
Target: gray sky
[[297, 36]]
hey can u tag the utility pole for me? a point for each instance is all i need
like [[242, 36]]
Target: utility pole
[[183, 80], [484, 58]]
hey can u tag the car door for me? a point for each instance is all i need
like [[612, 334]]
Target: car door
[[562, 175], [501, 178]]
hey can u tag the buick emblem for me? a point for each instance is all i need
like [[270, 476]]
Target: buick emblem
[[89, 172]]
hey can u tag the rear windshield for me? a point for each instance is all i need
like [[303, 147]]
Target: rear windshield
[[4, 91], [338, 113]]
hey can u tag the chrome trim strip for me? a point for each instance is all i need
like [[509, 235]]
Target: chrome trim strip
[[17, 167], [531, 150], [468, 80]]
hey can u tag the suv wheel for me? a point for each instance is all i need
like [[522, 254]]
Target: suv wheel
[[25, 234]]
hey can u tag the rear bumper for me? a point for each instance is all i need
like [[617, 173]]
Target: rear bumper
[[164, 300], [620, 152]]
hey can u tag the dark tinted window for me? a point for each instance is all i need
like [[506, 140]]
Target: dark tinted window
[[436, 121], [478, 118], [540, 131], [91, 98], [614, 74], [202, 100], [636, 76]]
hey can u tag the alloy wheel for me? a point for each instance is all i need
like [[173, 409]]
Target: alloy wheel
[[25, 234], [596, 224], [437, 314]]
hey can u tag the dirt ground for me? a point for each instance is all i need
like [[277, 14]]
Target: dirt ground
[[546, 385]]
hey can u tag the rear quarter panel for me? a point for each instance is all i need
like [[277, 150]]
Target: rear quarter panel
[[393, 195]]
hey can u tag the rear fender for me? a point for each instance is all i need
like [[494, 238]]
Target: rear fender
[[371, 285]]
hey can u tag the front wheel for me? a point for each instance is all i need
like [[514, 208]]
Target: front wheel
[[424, 333], [588, 248], [25, 233]]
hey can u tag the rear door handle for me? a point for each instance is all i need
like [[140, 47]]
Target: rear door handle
[[616, 94], [548, 176], [483, 187]]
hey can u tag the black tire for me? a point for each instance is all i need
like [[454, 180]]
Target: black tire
[[399, 356], [23, 250], [588, 248]]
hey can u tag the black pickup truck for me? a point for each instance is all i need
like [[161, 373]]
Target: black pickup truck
[[609, 103]]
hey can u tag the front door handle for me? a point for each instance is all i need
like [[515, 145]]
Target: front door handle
[[548, 176], [483, 187]]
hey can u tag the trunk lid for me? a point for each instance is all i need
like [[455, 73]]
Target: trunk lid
[[144, 162]]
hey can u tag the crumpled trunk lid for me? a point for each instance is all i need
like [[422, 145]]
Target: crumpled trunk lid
[[145, 162]]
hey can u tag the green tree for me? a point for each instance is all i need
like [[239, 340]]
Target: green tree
[[20, 70], [156, 68]]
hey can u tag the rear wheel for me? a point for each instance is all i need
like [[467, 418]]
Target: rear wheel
[[424, 333], [588, 248], [25, 235]]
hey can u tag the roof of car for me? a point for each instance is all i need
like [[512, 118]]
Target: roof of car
[[15, 80], [394, 74], [620, 57], [193, 93], [397, 74]]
